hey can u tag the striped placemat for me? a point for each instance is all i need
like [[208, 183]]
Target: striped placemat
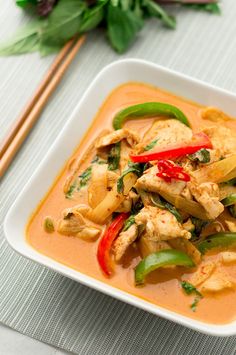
[[50, 307]]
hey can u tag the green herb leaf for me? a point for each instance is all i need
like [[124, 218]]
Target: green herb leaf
[[232, 210], [25, 40], [136, 207], [156, 10], [123, 27], [190, 289], [63, 22], [201, 156], [23, 3], [85, 177], [231, 182], [212, 7], [199, 224], [92, 17], [128, 223], [114, 157], [134, 168], [71, 189], [160, 203], [193, 306], [151, 145]]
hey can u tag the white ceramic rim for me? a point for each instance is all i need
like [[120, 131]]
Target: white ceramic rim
[[20, 245]]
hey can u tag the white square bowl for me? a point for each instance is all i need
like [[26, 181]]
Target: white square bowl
[[108, 79]]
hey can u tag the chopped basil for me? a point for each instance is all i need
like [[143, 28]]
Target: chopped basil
[[232, 210], [231, 182], [114, 157], [199, 224], [85, 177], [151, 145], [136, 207], [189, 289], [201, 156], [159, 202], [134, 168], [71, 189], [193, 306], [128, 223], [97, 160]]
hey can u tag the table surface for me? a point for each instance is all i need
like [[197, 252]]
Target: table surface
[[203, 46]]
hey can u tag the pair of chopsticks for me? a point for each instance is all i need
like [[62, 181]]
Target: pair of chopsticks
[[32, 111]]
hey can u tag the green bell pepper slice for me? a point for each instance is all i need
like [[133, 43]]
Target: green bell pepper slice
[[148, 109], [229, 200], [218, 240], [158, 259]]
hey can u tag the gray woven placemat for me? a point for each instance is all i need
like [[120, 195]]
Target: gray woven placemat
[[50, 307]]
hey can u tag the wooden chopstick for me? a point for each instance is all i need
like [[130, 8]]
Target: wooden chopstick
[[35, 97], [37, 103]]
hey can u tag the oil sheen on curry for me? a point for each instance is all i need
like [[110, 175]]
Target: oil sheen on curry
[[147, 203]]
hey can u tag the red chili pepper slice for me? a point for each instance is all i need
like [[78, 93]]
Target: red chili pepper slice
[[104, 246], [199, 141], [168, 170]]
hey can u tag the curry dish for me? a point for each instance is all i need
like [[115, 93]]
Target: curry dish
[[147, 203]]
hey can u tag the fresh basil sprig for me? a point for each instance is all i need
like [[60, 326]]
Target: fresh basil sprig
[[60, 20]]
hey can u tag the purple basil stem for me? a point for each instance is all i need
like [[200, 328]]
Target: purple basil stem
[[44, 7]]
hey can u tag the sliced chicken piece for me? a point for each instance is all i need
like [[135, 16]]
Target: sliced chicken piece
[[219, 281], [231, 225], [204, 271], [228, 257], [160, 224], [213, 114], [223, 139], [79, 210], [152, 183], [74, 224], [207, 194], [165, 132], [124, 240], [116, 136]]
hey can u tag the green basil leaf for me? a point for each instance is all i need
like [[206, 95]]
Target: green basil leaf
[[26, 40], [156, 10], [123, 27], [48, 48], [201, 156], [114, 157], [134, 168], [213, 7], [63, 23], [128, 223], [23, 3], [91, 18], [85, 177], [190, 289], [151, 145]]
